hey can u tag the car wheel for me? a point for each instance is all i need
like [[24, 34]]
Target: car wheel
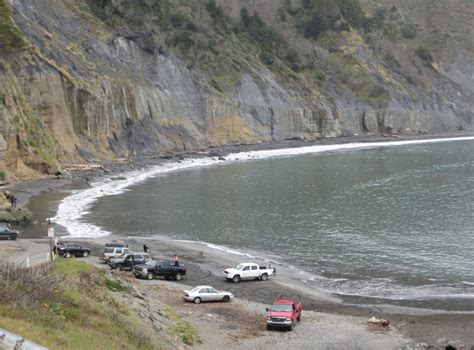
[[85, 254], [298, 318], [13, 237], [264, 277], [236, 279], [197, 300], [178, 277], [120, 267], [269, 328], [67, 255], [149, 276], [226, 298], [290, 328]]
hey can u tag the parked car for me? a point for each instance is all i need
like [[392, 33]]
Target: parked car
[[153, 268], [6, 232], [247, 271], [113, 252], [284, 313], [206, 293], [73, 249], [127, 261]]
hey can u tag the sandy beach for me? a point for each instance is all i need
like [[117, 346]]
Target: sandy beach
[[328, 322]]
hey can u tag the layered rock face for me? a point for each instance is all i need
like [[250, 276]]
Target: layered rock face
[[81, 92]]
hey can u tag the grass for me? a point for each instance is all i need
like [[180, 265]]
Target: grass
[[72, 311], [183, 330], [114, 286]]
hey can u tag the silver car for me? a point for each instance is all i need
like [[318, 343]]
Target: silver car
[[206, 293]]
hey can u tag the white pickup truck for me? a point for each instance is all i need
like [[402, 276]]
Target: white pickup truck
[[247, 271]]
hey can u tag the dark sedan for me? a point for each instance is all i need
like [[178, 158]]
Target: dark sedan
[[73, 249]]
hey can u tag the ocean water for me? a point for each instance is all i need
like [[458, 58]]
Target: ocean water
[[387, 221]]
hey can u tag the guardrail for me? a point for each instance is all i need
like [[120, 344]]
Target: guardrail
[[10, 341]]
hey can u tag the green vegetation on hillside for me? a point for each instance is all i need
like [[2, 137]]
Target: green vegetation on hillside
[[316, 17], [10, 36], [57, 305], [39, 138], [366, 37]]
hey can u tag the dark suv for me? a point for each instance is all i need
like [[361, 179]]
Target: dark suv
[[73, 249], [6, 232], [127, 261], [153, 268]]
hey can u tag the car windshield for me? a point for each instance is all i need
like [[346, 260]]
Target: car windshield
[[151, 263], [195, 289], [239, 267], [109, 250], [282, 307]]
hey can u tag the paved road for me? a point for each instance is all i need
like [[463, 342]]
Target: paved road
[[25, 252]]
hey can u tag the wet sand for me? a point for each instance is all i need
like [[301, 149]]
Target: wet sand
[[205, 266]]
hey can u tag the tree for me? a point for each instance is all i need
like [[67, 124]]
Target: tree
[[245, 17]]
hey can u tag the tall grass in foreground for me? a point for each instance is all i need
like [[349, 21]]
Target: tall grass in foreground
[[66, 305]]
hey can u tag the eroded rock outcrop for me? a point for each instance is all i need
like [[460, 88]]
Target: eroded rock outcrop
[[83, 91]]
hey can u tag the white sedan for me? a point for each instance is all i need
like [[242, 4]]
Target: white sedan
[[206, 293]]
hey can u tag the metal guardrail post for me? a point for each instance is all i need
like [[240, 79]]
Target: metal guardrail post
[[11, 341]]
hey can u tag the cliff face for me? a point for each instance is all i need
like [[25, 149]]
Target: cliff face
[[81, 89]]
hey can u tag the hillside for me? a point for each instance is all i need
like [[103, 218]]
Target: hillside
[[90, 80], [73, 305]]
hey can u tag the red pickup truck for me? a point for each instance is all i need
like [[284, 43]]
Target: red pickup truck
[[284, 313]]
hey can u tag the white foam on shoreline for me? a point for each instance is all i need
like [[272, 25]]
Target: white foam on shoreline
[[339, 147], [74, 207], [373, 288]]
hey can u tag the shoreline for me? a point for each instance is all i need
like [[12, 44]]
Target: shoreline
[[213, 261]]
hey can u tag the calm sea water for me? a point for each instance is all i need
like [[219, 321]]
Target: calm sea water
[[394, 223]]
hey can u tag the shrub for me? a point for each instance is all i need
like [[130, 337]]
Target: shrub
[[408, 31], [377, 20], [181, 39], [114, 285], [424, 54], [217, 14], [316, 17], [352, 12], [272, 44], [25, 286], [17, 214], [10, 35]]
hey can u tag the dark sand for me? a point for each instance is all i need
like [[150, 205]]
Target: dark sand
[[205, 265]]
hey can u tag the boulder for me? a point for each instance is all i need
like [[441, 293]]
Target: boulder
[[370, 121]]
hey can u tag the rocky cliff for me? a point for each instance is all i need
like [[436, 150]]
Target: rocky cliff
[[89, 80]]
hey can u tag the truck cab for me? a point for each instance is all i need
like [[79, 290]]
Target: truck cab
[[284, 313]]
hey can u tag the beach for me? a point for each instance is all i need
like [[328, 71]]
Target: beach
[[330, 322]]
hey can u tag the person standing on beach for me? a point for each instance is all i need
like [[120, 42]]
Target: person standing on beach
[[55, 247], [176, 260], [145, 248], [13, 201]]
